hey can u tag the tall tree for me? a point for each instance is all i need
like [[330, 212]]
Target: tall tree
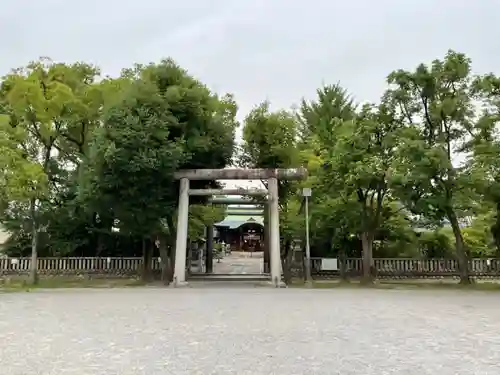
[[165, 120], [270, 141], [359, 167], [436, 105], [269, 138], [319, 119], [50, 103], [483, 163]]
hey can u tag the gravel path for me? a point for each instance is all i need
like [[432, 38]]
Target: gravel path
[[239, 263], [249, 331]]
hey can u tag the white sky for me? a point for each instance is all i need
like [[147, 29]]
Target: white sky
[[279, 50]]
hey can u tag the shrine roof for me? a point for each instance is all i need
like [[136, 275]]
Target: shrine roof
[[234, 222]]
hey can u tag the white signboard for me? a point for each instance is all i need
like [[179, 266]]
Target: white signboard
[[329, 264]]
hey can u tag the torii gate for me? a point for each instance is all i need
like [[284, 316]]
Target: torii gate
[[271, 175]]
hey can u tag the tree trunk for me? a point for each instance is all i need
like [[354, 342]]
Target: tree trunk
[[267, 238], [463, 260], [147, 258], [171, 246], [106, 226], [495, 230], [367, 244], [209, 249], [166, 268], [33, 278], [342, 259], [171, 256], [286, 262], [35, 230]]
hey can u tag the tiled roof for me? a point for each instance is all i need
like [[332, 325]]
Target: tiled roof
[[234, 222]]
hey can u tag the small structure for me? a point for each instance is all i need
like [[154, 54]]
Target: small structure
[[242, 228]]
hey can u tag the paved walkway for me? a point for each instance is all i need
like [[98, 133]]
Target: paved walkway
[[239, 263], [253, 331]]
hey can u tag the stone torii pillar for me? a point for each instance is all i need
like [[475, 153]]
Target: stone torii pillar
[[182, 233], [274, 231], [272, 175]]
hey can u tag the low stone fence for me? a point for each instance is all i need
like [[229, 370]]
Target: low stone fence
[[405, 268], [77, 266], [321, 267]]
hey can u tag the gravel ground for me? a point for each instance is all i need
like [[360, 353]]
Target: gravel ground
[[239, 263], [249, 331]]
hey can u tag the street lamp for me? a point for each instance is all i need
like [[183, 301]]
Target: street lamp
[[306, 193]]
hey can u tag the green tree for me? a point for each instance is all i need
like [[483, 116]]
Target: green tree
[[435, 244], [270, 141], [48, 104], [20, 179], [201, 216], [334, 219], [269, 138], [317, 117], [359, 166], [436, 107], [396, 236], [165, 120], [484, 165]]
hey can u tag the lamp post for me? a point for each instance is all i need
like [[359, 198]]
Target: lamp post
[[306, 193]]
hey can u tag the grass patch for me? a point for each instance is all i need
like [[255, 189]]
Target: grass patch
[[399, 284], [21, 285]]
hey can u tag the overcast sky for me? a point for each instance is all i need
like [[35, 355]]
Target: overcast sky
[[257, 49], [279, 50]]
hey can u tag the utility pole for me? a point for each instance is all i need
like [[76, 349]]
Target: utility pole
[[306, 193]]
